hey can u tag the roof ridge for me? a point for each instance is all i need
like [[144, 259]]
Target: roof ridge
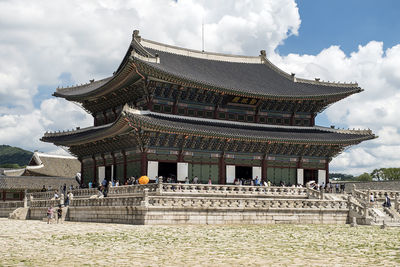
[[197, 53]]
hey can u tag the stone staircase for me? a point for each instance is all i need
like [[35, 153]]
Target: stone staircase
[[19, 214], [381, 215]]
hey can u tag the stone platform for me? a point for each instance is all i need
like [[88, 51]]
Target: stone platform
[[205, 204]]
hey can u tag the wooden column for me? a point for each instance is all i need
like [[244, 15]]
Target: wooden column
[[4, 195], [143, 163], [94, 170], [105, 117], [327, 171], [221, 167], [114, 165], [312, 121], [124, 156], [264, 169], [292, 119], [81, 160]]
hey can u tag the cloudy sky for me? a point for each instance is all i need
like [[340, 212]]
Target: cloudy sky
[[50, 43]]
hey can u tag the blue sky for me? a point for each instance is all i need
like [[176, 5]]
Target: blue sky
[[347, 23]]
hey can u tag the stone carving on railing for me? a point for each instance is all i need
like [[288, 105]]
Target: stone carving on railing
[[248, 203], [44, 203], [231, 189], [107, 201], [314, 194]]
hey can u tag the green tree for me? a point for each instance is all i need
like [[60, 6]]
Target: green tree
[[365, 177], [391, 173]]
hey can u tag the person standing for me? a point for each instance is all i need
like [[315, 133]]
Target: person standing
[[50, 212], [59, 214], [209, 180]]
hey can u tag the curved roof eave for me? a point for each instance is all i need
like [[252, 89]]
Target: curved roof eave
[[131, 118]]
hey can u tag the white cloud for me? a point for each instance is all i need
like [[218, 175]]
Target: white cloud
[[40, 40], [376, 108]]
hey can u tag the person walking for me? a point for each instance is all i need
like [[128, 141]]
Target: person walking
[[387, 203]]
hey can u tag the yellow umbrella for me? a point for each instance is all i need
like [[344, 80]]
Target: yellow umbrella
[[144, 180]]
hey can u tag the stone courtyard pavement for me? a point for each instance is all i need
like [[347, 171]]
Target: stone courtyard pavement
[[35, 243]]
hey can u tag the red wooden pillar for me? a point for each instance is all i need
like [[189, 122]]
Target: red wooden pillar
[[143, 163], [292, 119], [114, 166], [312, 121], [4, 195], [327, 171], [264, 169], [81, 160], [94, 170], [105, 117], [221, 167], [124, 156]]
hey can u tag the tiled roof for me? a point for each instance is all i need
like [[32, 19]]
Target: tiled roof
[[49, 165], [255, 76], [252, 78], [34, 182], [214, 128]]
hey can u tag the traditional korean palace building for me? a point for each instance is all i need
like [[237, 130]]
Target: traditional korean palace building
[[173, 111]]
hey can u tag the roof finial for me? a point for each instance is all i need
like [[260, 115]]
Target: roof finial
[[135, 35], [263, 53]]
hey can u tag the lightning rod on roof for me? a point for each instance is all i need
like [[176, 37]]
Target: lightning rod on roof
[[202, 34]]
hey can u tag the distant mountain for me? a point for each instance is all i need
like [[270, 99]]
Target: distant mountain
[[14, 155]]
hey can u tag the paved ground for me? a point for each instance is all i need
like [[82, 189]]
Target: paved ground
[[35, 243]]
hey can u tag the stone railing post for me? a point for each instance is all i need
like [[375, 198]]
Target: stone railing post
[[353, 189], [396, 202], [321, 194], [159, 189], [368, 198], [145, 201], [366, 210], [25, 199]]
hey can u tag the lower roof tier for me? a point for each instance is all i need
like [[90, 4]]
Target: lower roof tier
[[136, 123]]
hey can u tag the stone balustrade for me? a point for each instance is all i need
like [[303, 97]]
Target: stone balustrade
[[108, 201], [380, 194], [232, 190], [357, 210], [44, 203], [315, 194], [127, 190], [360, 195], [41, 195], [165, 188], [11, 204], [246, 203]]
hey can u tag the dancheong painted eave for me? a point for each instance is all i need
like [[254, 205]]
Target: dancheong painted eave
[[227, 74], [132, 120]]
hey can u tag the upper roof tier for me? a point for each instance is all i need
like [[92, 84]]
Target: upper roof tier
[[230, 74]]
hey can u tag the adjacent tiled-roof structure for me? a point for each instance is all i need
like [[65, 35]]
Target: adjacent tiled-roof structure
[[49, 165], [240, 75], [34, 182], [208, 127]]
